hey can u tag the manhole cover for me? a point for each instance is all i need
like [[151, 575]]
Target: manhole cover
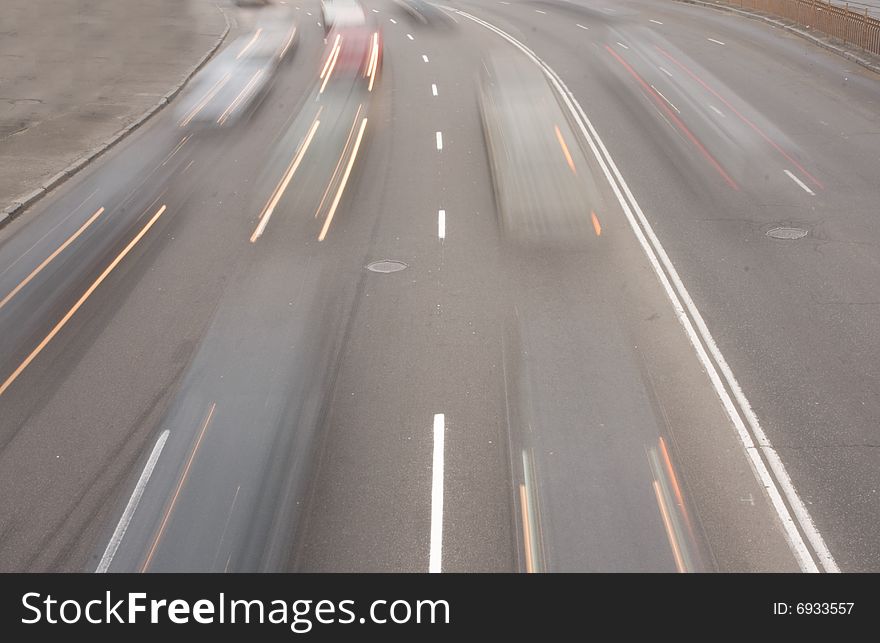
[[387, 265], [787, 233]]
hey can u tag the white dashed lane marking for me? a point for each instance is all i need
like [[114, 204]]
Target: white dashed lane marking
[[800, 183]]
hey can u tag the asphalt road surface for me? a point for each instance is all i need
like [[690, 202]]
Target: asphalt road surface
[[199, 372]]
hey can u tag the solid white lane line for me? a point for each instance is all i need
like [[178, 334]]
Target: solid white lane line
[[698, 334], [424, 57], [800, 183], [717, 42], [656, 22], [659, 93], [441, 224], [409, 35], [622, 45], [716, 110], [582, 27], [133, 501], [665, 71], [435, 558], [439, 141], [434, 89]]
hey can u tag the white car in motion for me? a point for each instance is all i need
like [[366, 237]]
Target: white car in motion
[[341, 13]]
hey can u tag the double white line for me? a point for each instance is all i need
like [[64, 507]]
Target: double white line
[[796, 521]]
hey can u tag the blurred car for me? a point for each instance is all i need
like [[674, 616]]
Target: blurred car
[[425, 12], [544, 189], [233, 84], [353, 52], [341, 13]]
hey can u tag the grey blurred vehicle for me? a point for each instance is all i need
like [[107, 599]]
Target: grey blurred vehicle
[[341, 13], [544, 189], [233, 84], [426, 13]]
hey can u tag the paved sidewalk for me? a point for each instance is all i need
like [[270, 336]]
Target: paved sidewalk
[[75, 72]]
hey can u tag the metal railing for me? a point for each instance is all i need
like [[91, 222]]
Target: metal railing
[[850, 26]]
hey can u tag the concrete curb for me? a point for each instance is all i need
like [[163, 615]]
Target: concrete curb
[[864, 62], [21, 203]]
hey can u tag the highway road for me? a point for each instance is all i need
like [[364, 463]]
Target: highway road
[[203, 368]]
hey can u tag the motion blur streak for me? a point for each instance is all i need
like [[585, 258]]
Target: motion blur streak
[[207, 99], [176, 149], [330, 57], [530, 519], [49, 259], [565, 151], [745, 120], [596, 225], [131, 244], [374, 59], [241, 96], [331, 62], [180, 484], [335, 55], [339, 162], [673, 510], [687, 132], [285, 180], [354, 152], [250, 44], [670, 531], [527, 535], [672, 478], [287, 43]]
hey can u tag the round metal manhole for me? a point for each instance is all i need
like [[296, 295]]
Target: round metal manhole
[[386, 266], [785, 232]]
